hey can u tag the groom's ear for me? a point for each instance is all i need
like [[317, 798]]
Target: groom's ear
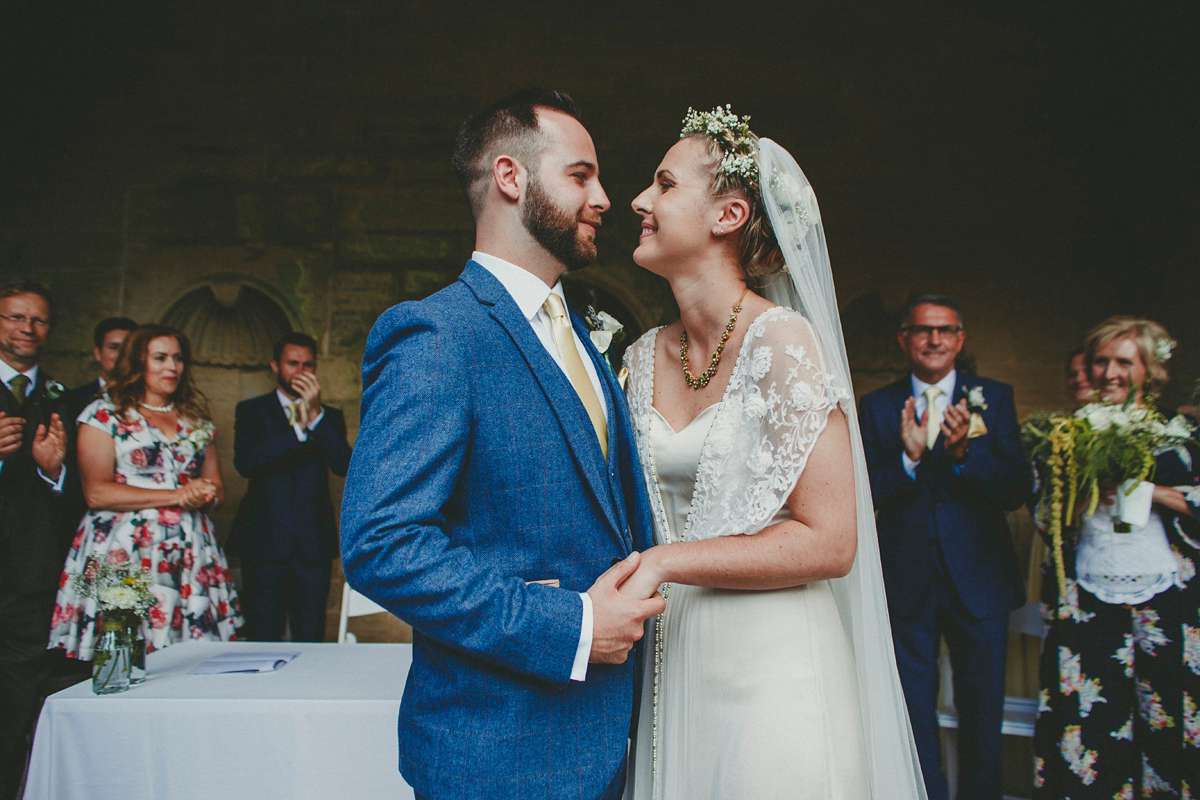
[[509, 176], [732, 215]]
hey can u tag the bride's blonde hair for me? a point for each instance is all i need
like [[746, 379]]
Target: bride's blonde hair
[[758, 252]]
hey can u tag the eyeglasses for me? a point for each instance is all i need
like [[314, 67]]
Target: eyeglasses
[[20, 320], [925, 331]]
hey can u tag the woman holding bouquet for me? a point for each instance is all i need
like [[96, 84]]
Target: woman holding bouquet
[[149, 471], [1120, 669]]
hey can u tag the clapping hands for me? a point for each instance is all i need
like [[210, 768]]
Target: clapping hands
[[50, 447], [309, 388], [956, 424], [49, 442]]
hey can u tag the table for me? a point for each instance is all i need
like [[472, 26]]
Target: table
[[322, 726]]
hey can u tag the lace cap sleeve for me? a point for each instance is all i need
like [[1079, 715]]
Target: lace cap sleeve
[[778, 401], [101, 414]]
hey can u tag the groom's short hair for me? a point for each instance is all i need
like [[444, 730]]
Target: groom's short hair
[[508, 126]]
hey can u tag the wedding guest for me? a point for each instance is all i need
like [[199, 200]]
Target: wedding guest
[[1079, 385], [108, 337], [35, 527], [944, 451], [286, 443], [1120, 666], [150, 471]]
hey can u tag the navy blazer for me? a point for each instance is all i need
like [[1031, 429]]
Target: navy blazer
[[36, 523], [476, 473], [957, 509], [286, 507]]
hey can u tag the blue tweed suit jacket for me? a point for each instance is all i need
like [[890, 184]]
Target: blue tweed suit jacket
[[476, 472], [959, 512]]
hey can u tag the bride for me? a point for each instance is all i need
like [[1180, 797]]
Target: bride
[[771, 672]]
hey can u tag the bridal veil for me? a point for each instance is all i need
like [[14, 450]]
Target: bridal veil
[[807, 287]]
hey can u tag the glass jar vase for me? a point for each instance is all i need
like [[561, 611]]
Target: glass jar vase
[[112, 659]]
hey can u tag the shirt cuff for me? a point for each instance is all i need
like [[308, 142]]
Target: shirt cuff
[[56, 486], [313, 423], [584, 651], [910, 466]]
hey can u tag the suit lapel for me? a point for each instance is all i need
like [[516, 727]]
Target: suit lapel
[[274, 411], [617, 422], [561, 396]]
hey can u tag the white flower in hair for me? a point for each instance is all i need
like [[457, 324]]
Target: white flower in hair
[[1162, 350], [732, 134]]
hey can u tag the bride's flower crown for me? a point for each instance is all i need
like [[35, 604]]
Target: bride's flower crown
[[732, 134]]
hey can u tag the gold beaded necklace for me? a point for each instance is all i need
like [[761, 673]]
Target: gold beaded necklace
[[701, 380]]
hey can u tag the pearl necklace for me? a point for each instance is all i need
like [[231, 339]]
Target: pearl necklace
[[169, 407], [701, 380]]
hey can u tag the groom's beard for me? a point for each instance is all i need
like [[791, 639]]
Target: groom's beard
[[555, 229]]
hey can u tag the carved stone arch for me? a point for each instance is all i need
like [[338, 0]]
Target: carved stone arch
[[232, 320]]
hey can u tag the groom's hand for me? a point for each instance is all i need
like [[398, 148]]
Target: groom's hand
[[617, 619]]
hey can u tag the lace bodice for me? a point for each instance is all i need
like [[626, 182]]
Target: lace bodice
[[774, 408]]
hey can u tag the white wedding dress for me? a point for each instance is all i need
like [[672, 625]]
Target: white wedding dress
[[746, 694]]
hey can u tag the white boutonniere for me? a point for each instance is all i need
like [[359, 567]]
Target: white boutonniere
[[604, 330], [54, 390], [975, 399], [975, 404]]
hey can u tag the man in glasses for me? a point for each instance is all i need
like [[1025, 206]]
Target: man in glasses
[[944, 453], [35, 524]]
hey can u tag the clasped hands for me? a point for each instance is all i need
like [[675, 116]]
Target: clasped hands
[[49, 442], [956, 424], [623, 598], [197, 493]]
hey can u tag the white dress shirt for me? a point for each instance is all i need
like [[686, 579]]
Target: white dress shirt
[[919, 386], [529, 292], [301, 431], [7, 373]]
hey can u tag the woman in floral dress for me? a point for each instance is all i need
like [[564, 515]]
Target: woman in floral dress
[[1118, 710], [150, 470]]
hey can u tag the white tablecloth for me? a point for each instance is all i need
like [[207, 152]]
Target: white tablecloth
[[323, 726]]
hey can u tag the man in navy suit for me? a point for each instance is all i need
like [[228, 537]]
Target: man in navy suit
[[494, 500], [37, 518], [108, 336], [944, 453], [286, 443]]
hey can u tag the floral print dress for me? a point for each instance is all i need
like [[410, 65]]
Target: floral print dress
[[191, 581], [1119, 706]]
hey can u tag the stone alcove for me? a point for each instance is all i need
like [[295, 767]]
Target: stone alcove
[[231, 321]]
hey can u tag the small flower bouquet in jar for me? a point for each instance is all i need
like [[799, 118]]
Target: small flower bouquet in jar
[[123, 597]]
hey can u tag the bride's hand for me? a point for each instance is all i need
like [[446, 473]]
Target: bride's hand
[[644, 582]]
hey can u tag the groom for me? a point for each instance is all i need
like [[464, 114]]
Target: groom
[[494, 500], [944, 453]]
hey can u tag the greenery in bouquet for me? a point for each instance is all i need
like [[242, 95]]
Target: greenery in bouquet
[[1099, 445], [122, 591]]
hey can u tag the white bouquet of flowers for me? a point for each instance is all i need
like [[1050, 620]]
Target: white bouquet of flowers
[[1099, 446], [120, 590]]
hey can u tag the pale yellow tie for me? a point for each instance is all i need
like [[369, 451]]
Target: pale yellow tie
[[293, 413], [565, 342], [19, 385], [934, 420]]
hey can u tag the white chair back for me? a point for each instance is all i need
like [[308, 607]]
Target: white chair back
[[354, 604]]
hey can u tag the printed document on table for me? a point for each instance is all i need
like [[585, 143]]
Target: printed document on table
[[232, 663]]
